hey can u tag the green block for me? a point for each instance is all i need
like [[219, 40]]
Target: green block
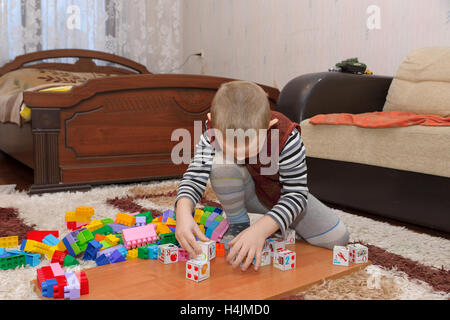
[[12, 262], [219, 218], [168, 238], [76, 249], [84, 237], [205, 217], [119, 235], [148, 216], [105, 244], [70, 261], [208, 209], [105, 230], [106, 221], [143, 253]]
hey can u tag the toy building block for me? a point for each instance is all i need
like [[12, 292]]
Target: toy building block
[[162, 229], [208, 250], [112, 239], [167, 214], [47, 287], [212, 226], [107, 252], [106, 221], [99, 237], [94, 225], [117, 227], [123, 251], [183, 255], [148, 216], [168, 253], [202, 228], [102, 260], [266, 258], [284, 259], [51, 240], [73, 288], [132, 254], [92, 249], [143, 252], [58, 289], [43, 274], [358, 253], [153, 252], [70, 261], [220, 230], [208, 209], [219, 218], [218, 211], [84, 236], [105, 230], [171, 222], [197, 270], [198, 213], [140, 221], [126, 219], [84, 282], [12, 261], [39, 235], [58, 257], [168, 238], [340, 255], [210, 219], [220, 250], [139, 236], [274, 243], [9, 242], [70, 216], [39, 247], [56, 269], [204, 217], [84, 214], [116, 256]]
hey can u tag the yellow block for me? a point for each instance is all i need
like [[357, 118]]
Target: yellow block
[[84, 214], [94, 225], [202, 228], [132, 254], [9, 242], [39, 247], [112, 240], [171, 221], [198, 215], [61, 246], [162, 229], [70, 216], [125, 219]]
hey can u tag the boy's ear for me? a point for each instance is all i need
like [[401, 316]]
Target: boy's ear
[[273, 122], [209, 116]]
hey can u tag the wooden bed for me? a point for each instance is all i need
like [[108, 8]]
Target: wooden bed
[[108, 130]]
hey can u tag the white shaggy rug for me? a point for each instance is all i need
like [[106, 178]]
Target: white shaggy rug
[[46, 212]]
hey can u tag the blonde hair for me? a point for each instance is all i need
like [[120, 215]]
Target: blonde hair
[[240, 105]]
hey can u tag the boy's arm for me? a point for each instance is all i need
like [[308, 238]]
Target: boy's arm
[[193, 183], [293, 178]]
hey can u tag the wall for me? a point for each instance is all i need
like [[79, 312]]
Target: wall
[[273, 41]]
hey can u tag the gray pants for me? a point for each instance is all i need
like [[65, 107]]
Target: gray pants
[[235, 189]]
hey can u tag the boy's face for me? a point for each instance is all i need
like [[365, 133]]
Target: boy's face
[[242, 147]]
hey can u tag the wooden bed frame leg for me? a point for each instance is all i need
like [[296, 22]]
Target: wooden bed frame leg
[[45, 130]]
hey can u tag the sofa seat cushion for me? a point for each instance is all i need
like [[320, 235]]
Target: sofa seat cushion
[[419, 149]]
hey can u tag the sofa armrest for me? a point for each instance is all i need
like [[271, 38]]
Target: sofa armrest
[[332, 92]]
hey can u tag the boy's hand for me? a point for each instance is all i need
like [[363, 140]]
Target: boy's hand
[[187, 228], [250, 242]]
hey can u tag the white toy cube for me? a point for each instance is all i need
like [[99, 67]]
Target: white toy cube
[[358, 253], [284, 259], [168, 253], [266, 257], [197, 270], [208, 250], [290, 236], [274, 243], [340, 256]]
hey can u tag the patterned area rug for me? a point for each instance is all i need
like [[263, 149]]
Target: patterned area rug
[[405, 264]]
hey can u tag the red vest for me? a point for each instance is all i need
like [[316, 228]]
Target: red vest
[[268, 187]]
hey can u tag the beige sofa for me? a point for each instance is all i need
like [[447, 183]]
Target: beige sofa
[[401, 173]]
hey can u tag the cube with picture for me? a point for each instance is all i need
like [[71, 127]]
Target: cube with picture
[[197, 270], [284, 259]]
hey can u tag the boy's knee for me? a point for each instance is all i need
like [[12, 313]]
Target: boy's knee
[[339, 237]]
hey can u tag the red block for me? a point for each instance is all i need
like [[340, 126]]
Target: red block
[[58, 290], [44, 274], [84, 283], [58, 257], [39, 235]]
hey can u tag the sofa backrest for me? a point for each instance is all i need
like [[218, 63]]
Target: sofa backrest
[[422, 83]]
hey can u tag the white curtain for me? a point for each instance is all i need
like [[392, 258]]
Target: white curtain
[[147, 31]]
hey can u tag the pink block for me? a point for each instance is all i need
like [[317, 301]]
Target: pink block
[[220, 230], [57, 270], [183, 255], [139, 236]]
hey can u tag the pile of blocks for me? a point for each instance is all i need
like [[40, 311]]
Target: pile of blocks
[[355, 253], [211, 222]]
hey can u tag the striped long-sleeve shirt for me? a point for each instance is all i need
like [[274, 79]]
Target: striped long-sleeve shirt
[[291, 168]]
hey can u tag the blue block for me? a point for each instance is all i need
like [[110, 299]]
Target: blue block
[[47, 288], [23, 244], [102, 260], [153, 252], [123, 252], [116, 256], [32, 259], [92, 249], [51, 240], [210, 219], [218, 211], [68, 247], [168, 214], [14, 252], [172, 228], [211, 228]]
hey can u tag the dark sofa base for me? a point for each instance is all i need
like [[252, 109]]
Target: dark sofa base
[[411, 197]]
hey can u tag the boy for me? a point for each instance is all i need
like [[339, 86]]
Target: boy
[[242, 185]]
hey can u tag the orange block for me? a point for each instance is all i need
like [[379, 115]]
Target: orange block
[[99, 237]]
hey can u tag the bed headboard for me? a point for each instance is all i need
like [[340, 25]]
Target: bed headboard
[[83, 64]]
